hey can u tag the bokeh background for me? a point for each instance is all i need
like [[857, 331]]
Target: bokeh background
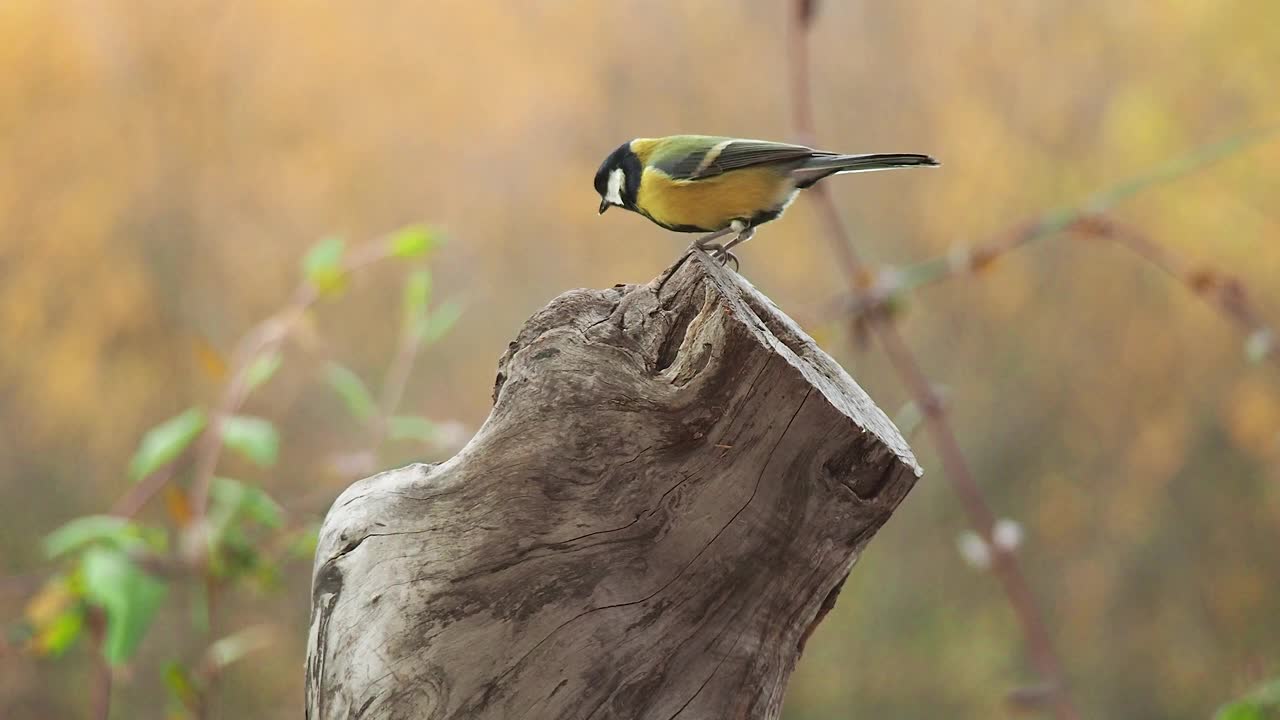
[[164, 166]]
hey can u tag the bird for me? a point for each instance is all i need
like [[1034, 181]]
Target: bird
[[722, 185]]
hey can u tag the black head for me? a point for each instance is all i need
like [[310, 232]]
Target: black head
[[618, 179]]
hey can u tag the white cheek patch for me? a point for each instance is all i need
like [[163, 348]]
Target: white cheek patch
[[614, 192]]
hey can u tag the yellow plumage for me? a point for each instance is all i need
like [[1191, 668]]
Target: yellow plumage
[[643, 148], [712, 203], [722, 185]]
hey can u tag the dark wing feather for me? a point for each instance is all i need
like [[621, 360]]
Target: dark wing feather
[[737, 154]]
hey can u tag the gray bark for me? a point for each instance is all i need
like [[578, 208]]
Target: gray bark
[[670, 490]]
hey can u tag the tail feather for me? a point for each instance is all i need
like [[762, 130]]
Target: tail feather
[[822, 166]]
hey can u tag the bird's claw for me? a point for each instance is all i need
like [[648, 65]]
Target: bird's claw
[[718, 252], [724, 256]]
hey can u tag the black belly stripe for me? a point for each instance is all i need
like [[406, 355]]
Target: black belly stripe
[[765, 216], [759, 218]]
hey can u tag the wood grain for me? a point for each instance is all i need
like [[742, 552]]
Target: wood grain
[[670, 490]]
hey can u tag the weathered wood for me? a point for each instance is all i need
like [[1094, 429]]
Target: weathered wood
[[671, 488]]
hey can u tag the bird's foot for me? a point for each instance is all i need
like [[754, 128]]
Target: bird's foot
[[724, 256], [744, 234], [706, 244], [719, 253]]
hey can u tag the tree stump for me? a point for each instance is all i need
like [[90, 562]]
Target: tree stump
[[670, 490]]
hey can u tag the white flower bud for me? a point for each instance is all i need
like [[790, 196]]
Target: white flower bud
[[974, 550], [1007, 534]]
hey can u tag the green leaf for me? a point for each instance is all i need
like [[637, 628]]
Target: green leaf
[[180, 683], [83, 531], [411, 427], [165, 442], [1261, 703], [417, 293], [55, 615], [323, 265], [303, 543], [1239, 711], [262, 368], [232, 552], [353, 391], [226, 496], [239, 499], [61, 633], [439, 321], [236, 555], [414, 241], [129, 596], [254, 438], [153, 538]]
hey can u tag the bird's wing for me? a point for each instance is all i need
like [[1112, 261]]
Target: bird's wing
[[714, 156]]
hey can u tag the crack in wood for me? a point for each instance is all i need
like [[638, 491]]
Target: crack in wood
[[712, 474]]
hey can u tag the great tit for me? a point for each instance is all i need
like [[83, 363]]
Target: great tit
[[722, 185]]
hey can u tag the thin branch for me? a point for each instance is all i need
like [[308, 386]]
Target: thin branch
[[966, 260], [394, 384], [1005, 564], [802, 124], [100, 694], [141, 492], [264, 337], [207, 687], [1223, 292]]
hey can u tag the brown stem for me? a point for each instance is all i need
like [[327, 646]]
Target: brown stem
[[393, 386], [205, 686], [802, 123], [1223, 292], [266, 336], [100, 694], [853, 269], [1086, 213], [1005, 565], [140, 494]]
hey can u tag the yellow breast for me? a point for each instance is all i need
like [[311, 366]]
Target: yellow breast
[[713, 203]]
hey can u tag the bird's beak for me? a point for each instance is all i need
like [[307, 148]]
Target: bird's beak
[[604, 205]]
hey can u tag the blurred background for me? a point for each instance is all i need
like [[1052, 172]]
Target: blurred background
[[164, 168]]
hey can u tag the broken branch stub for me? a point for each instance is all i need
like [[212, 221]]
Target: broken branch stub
[[671, 487]]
